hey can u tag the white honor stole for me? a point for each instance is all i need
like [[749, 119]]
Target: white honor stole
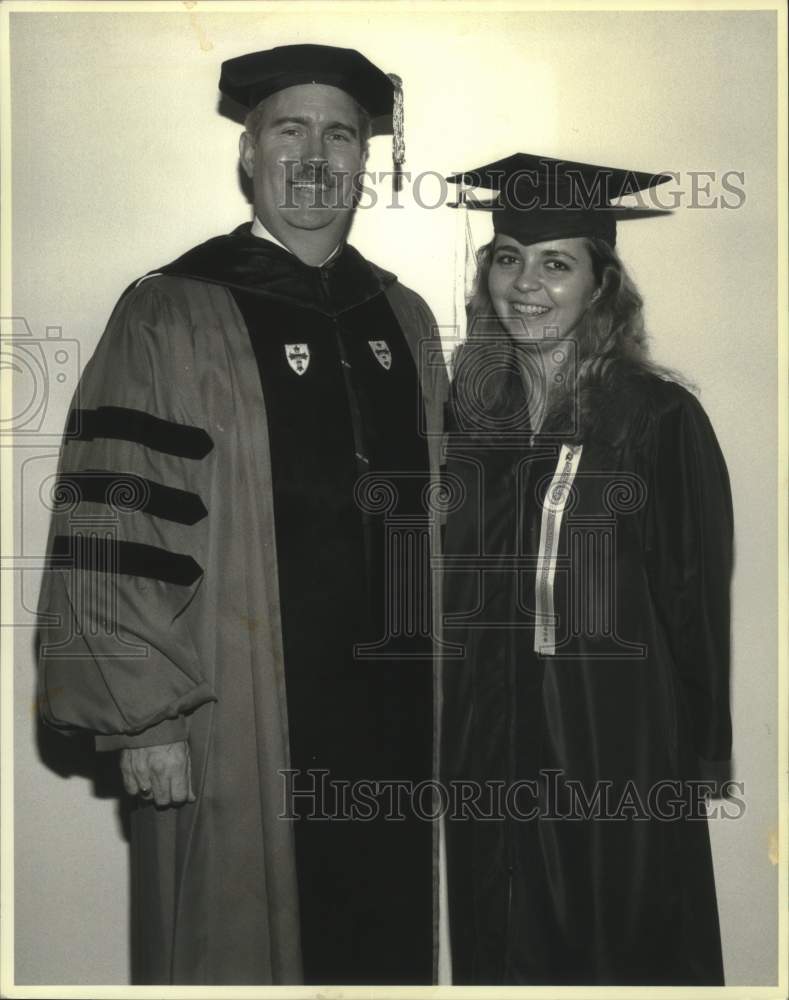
[[553, 507]]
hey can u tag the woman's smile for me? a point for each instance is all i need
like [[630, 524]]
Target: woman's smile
[[527, 309], [540, 291]]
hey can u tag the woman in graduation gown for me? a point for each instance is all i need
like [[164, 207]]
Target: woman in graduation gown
[[588, 555]]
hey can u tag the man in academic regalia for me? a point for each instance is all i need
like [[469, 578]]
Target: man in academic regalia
[[223, 586]]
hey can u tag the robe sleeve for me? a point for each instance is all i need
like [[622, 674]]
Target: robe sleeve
[[689, 548], [128, 538], [421, 331]]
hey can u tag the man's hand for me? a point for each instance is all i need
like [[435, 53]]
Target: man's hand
[[162, 773]]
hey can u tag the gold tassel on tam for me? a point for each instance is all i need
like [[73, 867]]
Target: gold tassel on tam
[[398, 132]]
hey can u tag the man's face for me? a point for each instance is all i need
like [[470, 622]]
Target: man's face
[[305, 157]]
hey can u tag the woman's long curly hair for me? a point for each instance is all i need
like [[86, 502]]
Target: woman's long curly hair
[[609, 352]]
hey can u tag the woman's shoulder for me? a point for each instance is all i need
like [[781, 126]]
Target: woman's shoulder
[[664, 393], [636, 401]]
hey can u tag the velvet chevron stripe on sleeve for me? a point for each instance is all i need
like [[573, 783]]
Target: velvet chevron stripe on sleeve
[[127, 492], [123, 424], [107, 555]]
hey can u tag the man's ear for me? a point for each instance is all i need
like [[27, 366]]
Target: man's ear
[[246, 152]]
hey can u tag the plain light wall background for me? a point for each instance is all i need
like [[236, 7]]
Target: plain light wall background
[[121, 162]]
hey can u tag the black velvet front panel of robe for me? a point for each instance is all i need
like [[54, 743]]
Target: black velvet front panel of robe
[[364, 885], [636, 694]]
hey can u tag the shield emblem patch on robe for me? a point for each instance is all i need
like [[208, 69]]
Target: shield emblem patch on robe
[[381, 352], [298, 356]]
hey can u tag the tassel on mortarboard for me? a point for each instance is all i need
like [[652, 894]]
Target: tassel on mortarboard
[[465, 265], [398, 132]]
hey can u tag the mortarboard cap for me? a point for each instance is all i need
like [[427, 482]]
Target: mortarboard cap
[[540, 198], [250, 78]]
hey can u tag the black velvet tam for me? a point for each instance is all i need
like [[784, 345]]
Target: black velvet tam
[[250, 78]]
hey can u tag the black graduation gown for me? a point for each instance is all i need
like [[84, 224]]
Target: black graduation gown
[[596, 869]]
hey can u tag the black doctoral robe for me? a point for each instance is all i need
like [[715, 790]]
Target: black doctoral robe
[[247, 463], [589, 590]]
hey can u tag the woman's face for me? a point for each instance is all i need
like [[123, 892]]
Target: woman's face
[[542, 290]]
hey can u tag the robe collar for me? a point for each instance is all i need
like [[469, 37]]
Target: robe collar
[[245, 262], [259, 230]]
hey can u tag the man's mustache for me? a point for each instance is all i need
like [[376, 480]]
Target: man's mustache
[[309, 173]]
